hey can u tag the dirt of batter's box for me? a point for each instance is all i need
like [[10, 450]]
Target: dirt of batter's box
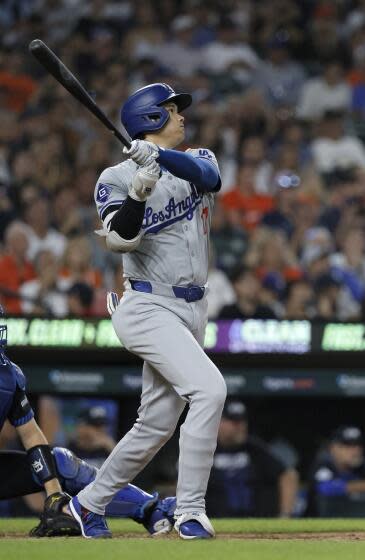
[[313, 536]]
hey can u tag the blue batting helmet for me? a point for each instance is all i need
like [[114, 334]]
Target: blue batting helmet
[[143, 111]]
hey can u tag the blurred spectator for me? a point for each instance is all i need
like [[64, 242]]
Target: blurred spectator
[[7, 209], [333, 149], [337, 478], [279, 75], [324, 41], [328, 294], [177, 54], [270, 254], [16, 86], [253, 154], [357, 80], [77, 265], [220, 291], [227, 50], [41, 235], [145, 34], [328, 92], [247, 480], [66, 215], [299, 301], [282, 217], [45, 295], [244, 206], [15, 268], [247, 289], [79, 300], [228, 241], [348, 266], [91, 440]]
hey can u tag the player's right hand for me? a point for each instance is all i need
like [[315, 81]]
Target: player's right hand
[[142, 152], [144, 181]]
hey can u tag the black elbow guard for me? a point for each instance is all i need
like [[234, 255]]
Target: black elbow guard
[[42, 463], [127, 222]]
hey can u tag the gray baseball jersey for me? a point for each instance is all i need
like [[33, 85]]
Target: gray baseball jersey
[[168, 334], [175, 243]]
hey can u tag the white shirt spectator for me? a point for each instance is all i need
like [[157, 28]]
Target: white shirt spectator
[[217, 57], [177, 57], [54, 300], [345, 152], [317, 97], [220, 292], [53, 241]]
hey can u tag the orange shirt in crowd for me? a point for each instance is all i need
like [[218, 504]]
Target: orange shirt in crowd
[[17, 90], [12, 276], [355, 77], [250, 208], [289, 273]]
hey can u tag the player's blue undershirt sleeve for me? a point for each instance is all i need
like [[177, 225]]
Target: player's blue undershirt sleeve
[[329, 488], [200, 171]]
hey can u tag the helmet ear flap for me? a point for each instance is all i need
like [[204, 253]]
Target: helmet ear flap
[[151, 121]]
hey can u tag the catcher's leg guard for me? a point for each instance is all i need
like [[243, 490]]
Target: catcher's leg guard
[[157, 516], [132, 502], [74, 473]]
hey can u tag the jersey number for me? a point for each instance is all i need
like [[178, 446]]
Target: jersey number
[[204, 215]]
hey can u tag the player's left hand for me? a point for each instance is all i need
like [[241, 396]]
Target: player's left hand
[[53, 521], [144, 181], [142, 152]]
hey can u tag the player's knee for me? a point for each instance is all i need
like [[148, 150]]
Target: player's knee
[[216, 393]]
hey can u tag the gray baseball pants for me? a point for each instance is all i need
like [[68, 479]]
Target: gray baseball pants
[[168, 334]]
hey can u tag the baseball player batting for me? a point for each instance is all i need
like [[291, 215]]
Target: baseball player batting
[[156, 210]]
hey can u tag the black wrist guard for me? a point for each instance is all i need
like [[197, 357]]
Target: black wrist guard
[[42, 463]]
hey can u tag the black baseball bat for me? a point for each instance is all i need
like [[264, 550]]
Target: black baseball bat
[[64, 76]]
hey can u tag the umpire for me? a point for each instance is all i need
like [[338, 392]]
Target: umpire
[[247, 480]]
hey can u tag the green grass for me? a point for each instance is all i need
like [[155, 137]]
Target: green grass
[[14, 544]]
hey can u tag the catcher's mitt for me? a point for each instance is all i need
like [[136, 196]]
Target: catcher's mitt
[[53, 522]]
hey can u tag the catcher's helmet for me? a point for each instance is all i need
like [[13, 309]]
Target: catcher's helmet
[[143, 110]]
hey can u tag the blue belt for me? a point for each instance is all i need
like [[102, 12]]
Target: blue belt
[[189, 293]]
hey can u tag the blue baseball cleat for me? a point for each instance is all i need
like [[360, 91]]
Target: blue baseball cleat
[[92, 525], [195, 525]]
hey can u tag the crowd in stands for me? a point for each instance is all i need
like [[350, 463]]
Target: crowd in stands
[[279, 96]]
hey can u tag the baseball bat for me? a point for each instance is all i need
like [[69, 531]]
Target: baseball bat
[[47, 58]]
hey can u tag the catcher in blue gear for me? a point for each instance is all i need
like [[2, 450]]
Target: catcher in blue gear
[[17, 479], [38, 458], [58, 471]]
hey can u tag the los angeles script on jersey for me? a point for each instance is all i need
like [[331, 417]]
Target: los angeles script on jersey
[[174, 211]]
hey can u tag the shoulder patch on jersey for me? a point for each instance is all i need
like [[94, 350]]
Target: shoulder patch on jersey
[[103, 192], [205, 153]]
